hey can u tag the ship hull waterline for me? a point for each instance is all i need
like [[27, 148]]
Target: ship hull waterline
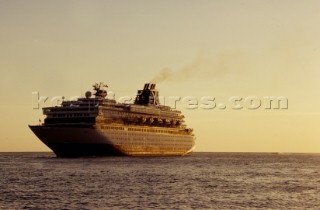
[[80, 141]]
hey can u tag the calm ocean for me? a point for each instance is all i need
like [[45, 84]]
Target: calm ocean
[[198, 181]]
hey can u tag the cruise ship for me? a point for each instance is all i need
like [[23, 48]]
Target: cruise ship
[[97, 126]]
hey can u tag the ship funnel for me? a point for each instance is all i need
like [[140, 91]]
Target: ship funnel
[[149, 86], [149, 95]]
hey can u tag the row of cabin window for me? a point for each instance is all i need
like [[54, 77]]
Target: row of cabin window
[[71, 115], [185, 140], [152, 131], [138, 129], [113, 128]]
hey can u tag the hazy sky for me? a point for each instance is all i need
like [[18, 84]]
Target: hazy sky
[[208, 48]]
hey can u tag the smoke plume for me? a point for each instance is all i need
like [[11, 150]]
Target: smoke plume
[[204, 66]]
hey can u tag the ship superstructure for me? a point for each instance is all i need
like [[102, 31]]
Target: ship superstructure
[[96, 126]]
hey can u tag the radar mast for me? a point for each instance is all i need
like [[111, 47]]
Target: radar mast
[[100, 91]]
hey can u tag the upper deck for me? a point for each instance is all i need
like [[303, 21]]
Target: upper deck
[[145, 110]]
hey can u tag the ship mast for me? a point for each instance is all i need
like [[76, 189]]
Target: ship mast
[[100, 91]]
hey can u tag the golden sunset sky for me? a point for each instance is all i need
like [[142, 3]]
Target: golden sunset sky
[[211, 48]]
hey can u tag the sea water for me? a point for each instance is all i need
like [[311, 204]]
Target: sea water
[[196, 181]]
